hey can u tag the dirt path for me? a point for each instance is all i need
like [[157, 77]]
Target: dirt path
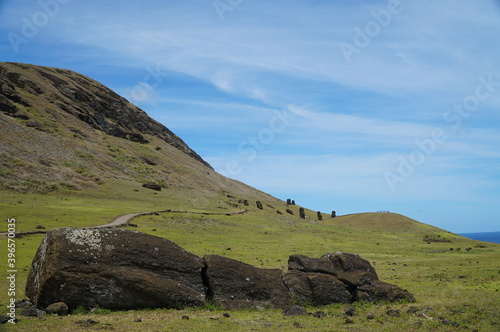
[[118, 221], [121, 220]]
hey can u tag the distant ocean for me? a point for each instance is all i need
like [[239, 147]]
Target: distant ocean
[[484, 236]]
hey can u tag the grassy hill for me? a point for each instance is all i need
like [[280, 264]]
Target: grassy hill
[[390, 223], [60, 168]]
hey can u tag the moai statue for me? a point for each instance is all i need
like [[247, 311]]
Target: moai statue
[[302, 213], [320, 216], [293, 202], [259, 205], [288, 201], [289, 211], [334, 214], [245, 202]]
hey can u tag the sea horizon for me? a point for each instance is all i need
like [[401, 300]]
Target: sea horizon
[[493, 237]]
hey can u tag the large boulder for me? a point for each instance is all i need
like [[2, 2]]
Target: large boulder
[[236, 285], [382, 291], [348, 268], [316, 288], [116, 268], [338, 278], [113, 268]]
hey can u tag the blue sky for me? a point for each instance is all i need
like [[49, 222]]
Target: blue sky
[[350, 106]]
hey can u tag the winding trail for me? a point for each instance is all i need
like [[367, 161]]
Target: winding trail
[[121, 220], [117, 222], [125, 219]]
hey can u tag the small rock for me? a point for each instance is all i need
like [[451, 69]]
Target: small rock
[[86, 322], [138, 320], [152, 186], [412, 310], [419, 323], [393, 313], [4, 319], [297, 325], [349, 321], [445, 321], [295, 311], [319, 314], [351, 312], [59, 308], [23, 303], [226, 314], [32, 312], [185, 317], [370, 316]]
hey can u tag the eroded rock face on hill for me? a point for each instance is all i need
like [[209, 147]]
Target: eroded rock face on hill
[[124, 269], [85, 99]]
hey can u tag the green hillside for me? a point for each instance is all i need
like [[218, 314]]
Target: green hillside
[[390, 223]]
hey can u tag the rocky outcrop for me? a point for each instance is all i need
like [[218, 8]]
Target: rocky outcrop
[[83, 98], [316, 288], [348, 268], [236, 285], [152, 186], [115, 269], [382, 291], [123, 269], [338, 278]]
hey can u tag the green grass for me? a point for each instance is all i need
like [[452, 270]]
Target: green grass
[[461, 286]]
